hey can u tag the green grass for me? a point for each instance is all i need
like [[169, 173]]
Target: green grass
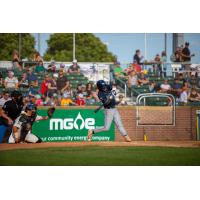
[[99, 156]]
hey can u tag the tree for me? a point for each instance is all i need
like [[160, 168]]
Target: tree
[[10, 42], [89, 48]]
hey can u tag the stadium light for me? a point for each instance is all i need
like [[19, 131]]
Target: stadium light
[[74, 46]]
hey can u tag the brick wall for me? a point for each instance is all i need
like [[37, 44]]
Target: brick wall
[[185, 128]]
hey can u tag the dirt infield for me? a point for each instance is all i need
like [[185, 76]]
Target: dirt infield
[[189, 144]]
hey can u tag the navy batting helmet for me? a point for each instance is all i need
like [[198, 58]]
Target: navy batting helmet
[[101, 85], [31, 106]]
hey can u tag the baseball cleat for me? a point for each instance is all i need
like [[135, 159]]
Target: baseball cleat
[[127, 138], [90, 134]]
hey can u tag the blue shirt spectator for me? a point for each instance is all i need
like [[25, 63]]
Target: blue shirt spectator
[[32, 78]]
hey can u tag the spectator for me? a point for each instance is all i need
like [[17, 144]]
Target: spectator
[[193, 96], [44, 86], [62, 82], [16, 60], [62, 66], [176, 87], [129, 68], [51, 86], [185, 54], [181, 78], [5, 97], [121, 101], [183, 99], [136, 67], [74, 68], [83, 90], [53, 101], [80, 101], [38, 58], [40, 68], [152, 87], [193, 80], [32, 78], [142, 79], [177, 55], [11, 82], [68, 92], [78, 90], [24, 81], [90, 97], [1, 79], [158, 61], [31, 90], [39, 100], [132, 79], [52, 67], [137, 57], [165, 86], [118, 71], [66, 100]]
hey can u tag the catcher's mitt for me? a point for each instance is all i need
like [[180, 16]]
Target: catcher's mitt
[[50, 112]]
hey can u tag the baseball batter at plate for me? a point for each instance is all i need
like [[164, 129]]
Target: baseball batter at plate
[[107, 97]]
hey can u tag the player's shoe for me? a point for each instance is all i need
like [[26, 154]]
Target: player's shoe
[[127, 138], [90, 134]]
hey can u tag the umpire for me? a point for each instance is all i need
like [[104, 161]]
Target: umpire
[[10, 111], [107, 97]]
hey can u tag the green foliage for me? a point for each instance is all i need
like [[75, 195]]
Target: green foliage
[[89, 48], [10, 42]]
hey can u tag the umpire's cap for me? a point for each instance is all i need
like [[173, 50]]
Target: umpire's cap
[[16, 94], [101, 85]]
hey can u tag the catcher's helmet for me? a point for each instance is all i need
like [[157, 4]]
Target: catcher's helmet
[[101, 85], [31, 106]]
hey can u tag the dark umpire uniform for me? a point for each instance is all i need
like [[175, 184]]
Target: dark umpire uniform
[[11, 109], [107, 97]]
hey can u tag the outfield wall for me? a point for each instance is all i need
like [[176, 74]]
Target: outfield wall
[[184, 129]]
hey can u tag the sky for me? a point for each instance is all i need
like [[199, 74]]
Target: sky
[[123, 45]]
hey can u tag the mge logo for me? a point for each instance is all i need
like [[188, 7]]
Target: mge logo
[[70, 123]]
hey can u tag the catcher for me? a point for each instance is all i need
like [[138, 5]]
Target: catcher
[[107, 97], [21, 131]]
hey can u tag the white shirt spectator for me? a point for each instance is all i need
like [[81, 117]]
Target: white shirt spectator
[[183, 97], [11, 82], [165, 86]]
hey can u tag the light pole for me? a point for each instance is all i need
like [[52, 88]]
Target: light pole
[[20, 43], [74, 46], [39, 43], [145, 46]]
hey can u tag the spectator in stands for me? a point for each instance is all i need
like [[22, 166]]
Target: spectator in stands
[[68, 91], [52, 67], [32, 78], [137, 57], [183, 99], [194, 96], [11, 82], [40, 68], [62, 82], [129, 68], [176, 87], [1, 79], [186, 86], [165, 86], [31, 90], [51, 86], [152, 87], [193, 80], [185, 54], [53, 101], [118, 71], [136, 67], [44, 86], [24, 81], [177, 55], [38, 58], [90, 95], [132, 79], [78, 89], [62, 66], [5, 97], [74, 68], [158, 61], [39, 100], [16, 60], [67, 100], [181, 78], [121, 101], [142, 79], [80, 100]]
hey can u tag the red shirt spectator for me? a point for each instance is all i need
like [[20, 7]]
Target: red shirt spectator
[[44, 86], [80, 101]]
